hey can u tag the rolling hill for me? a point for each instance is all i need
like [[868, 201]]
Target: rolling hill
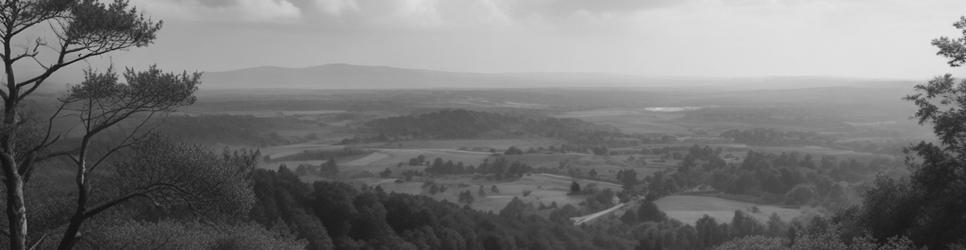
[[348, 76]]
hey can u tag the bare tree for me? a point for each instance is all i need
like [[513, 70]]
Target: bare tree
[[101, 103], [80, 29]]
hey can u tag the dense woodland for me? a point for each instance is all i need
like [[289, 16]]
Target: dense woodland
[[330, 214], [790, 178], [467, 124]]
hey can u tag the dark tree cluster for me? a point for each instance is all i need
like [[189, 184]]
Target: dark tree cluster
[[767, 136], [598, 199], [327, 169], [792, 178], [336, 215], [466, 124], [513, 151], [499, 169], [314, 155], [572, 148]]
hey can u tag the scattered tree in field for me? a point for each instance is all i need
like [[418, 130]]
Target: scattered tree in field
[[513, 151], [574, 187], [775, 226], [466, 197], [304, 170], [329, 168], [630, 217], [515, 209], [628, 177], [648, 211], [744, 225], [800, 195]]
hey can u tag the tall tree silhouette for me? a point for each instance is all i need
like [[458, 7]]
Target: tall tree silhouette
[[80, 29], [929, 206]]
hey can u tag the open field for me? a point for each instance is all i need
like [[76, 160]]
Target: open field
[[689, 208], [367, 160], [286, 150]]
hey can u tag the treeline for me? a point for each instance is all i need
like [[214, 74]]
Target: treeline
[[313, 155], [337, 215], [767, 136], [327, 169], [562, 149], [653, 230], [791, 178], [499, 169], [466, 124]]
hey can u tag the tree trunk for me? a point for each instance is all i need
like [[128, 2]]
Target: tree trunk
[[14, 185], [16, 211], [71, 234]]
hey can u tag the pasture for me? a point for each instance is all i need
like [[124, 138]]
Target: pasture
[[689, 208]]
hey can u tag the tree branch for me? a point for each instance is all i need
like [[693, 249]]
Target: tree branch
[[143, 192]]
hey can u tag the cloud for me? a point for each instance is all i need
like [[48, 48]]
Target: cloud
[[270, 11], [336, 7], [476, 15], [395, 14], [569, 7]]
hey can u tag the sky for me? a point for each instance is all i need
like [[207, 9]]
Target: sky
[[883, 39]]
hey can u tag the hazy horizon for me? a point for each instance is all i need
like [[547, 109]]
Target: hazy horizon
[[653, 76], [696, 38]]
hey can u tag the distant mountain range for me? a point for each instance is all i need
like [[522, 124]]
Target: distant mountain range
[[347, 76]]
